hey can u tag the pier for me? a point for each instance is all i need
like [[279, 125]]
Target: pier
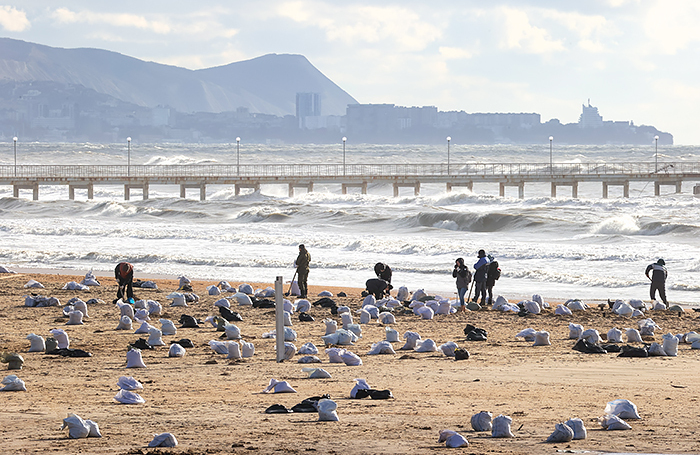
[[358, 176]]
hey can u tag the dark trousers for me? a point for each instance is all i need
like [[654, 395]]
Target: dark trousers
[[125, 288], [302, 276], [661, 287], [480, 288]]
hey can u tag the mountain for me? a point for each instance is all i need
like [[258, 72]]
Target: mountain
[[266, 85]]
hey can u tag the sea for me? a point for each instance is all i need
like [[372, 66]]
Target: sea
[[561, 248]]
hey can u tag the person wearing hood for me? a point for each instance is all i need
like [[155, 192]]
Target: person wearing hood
[[464, 277], [658, 279], [480, 275], [302, 265]]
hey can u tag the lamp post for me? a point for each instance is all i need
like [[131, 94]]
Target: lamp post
[[128, 156], [448, 154], [551, 169], [344, 139], [238, 155], [14, 139], [656, 153]]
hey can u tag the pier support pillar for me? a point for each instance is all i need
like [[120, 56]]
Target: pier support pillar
[[129, 186], [657, 188], [87, 186], [573, 185], [362, 186], [502, 189], [605, 190], [201, 186], [202, 192], [309, 187], [468, 185], [554, 189], [574, 190], [255, 187], [625, 189], [29, 186], [414, 185], [679, 185], [521, 190]]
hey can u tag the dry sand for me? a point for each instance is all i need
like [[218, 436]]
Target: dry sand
[[213, 405]]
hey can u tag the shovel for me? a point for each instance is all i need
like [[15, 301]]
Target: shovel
[[291, 283]]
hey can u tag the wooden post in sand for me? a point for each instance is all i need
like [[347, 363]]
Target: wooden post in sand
[[279, 318]]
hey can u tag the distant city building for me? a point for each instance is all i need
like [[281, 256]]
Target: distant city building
[[590, 118], [308, 105]]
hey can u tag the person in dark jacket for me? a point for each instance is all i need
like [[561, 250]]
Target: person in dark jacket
[[658, 279], [378, 287], [383, 271], [492, 274], [124, 274], [302, 264], [464, 277], [480, 274]]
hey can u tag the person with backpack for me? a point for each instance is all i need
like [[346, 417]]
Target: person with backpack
[[492, 274], [658, 279], [464, 277], [480, 272]]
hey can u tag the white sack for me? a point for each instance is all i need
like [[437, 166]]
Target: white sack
[[331, 326], [351, 359], [232, 332], [144, 328], [614, 335], [127, 397], [562, 433], [575, 331], [247, 349], [276, 386], [542, 339], [213, 290], [426, 345], [316, 373], [125, 323], [77, 428], [501, 427], [656, 350], [612, 422], [303, 306], [591, 335], [163, 440], [308, 349], [75, 318], [528, 334], [392, 335], [289, 351], [335, 355], [155, 337], [449, 348], [13, 384], [383, 347], [562, 310], [38, 344], [128, 383], [234, 350], [623, 409], [386, 318], [633, 336], [167, 327], [134, 359], [327, 410], [411, 340], [670, 344], [61, 338], [220, 347], [482, 421], [452, 439], [360, 384], [176, 351], [576, 424]]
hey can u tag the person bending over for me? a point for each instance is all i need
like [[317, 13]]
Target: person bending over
[[658, 279], [124, 274]]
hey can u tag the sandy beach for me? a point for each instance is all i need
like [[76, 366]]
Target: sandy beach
[[214, 405]]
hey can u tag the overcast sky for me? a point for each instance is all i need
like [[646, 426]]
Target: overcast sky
[[636, 60]]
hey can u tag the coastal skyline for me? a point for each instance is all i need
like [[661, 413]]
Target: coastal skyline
[[633, 59]]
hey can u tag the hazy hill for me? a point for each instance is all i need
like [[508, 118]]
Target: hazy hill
[[266, 84]]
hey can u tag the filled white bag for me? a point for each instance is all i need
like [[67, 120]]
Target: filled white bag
[[372, 310], [38, 344], [576, 305], [562, 310], [612, 422], [128, 383], [242, 298], [220, 347], [276, 386], [232, 332], [331, 326], [77, 428], [562, 433], [575, 331], [614, 335], [411, 340], [365, 317], [670, 344], [622, 308], [247, 349], [528, 334], [234, 350], [355, 329], [591, 335], [425, 312], [178, 299], [154, 308], [303, 306], [308, 349], [316, 373], [656, 350], [289, 350], [142, 315], [383, 347], [94, 429], [360, 384], [125, 309], [287, 319], [13, 384], [75, 317], [449, 348], [427, 345], [82, 307], [392, 335], [647, 326], [346, 319], [144, 328], [387, 318], [125, 323], [532, 307], [659, 306], [327, 410], [167, 327], [335, 355], [176, 350], [633, 336], [128, 397], [542, 339], [501, 427], [351, 359], [61, 338], [402, 295], [444, 308], [623, 409], [309, 359], [213, 290], [155, 337], [482, 421], [163, 440], [452, 439], [34, 284], [576, 424], [134, 359]]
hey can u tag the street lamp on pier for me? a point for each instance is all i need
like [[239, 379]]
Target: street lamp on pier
[[344, 139], [14, 139], [448, 154], [238, 155], [128, 156], [656, 153], [551, 169]]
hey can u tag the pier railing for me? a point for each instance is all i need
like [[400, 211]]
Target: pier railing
[[338, 171]]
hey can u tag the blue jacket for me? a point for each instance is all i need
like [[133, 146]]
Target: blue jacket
[[481, 268]]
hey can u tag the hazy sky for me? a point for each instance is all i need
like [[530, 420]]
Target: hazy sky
[[635, 60]]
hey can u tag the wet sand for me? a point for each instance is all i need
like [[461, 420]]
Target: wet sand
[[213, 405]]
